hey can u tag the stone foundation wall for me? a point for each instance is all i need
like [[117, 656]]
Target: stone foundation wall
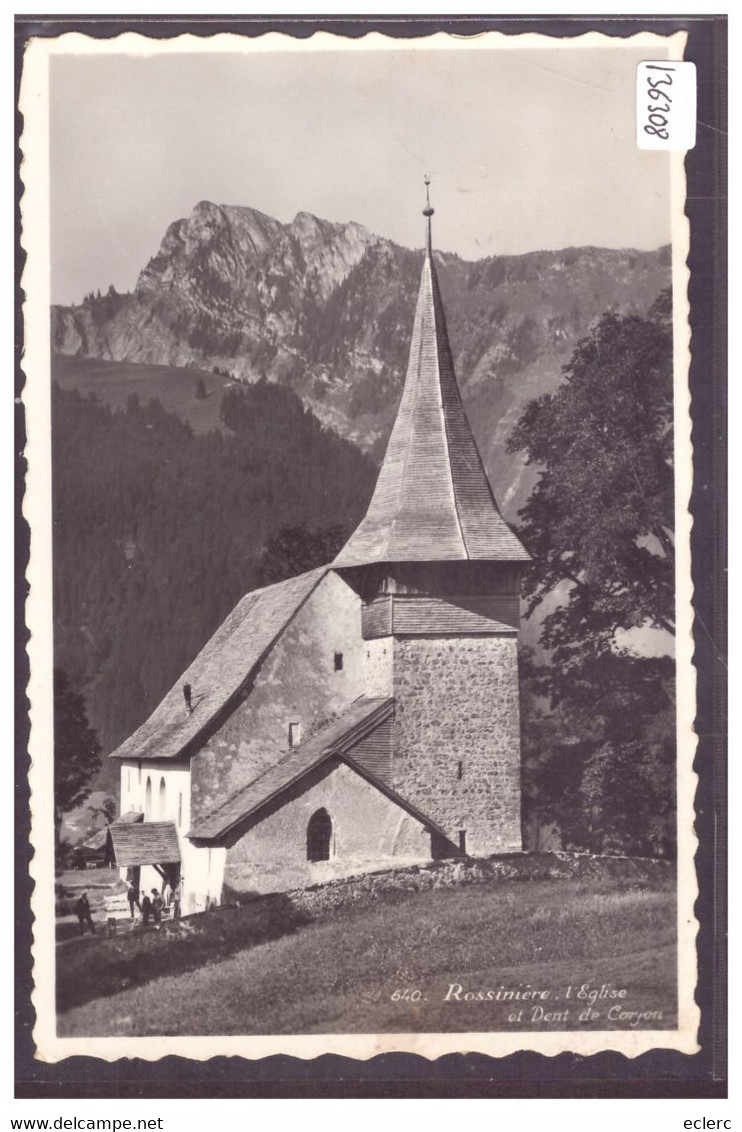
[[639, 872], [457, 736]]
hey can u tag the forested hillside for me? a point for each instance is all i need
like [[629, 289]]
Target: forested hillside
[[158, 532]]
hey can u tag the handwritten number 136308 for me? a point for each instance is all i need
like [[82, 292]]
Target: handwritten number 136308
[[658, 91]]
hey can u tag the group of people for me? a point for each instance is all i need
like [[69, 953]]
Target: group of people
[[152, 905]]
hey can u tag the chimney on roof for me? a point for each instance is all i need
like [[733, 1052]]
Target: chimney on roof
[[187, 697]]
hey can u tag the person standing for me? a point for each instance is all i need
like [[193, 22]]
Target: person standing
[[157, 906], [132, 895], [82, 910], [146, 907], [176, 902]]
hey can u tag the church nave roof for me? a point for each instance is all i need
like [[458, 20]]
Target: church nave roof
[[221, 668]]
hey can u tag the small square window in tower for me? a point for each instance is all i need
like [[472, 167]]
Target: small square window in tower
[[294, 734], [338, 662]]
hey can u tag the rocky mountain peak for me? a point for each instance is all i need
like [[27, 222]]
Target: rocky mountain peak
[[227, 239], [330, 250]]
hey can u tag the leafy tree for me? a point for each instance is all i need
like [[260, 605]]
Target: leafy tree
[[76, 749], [295, 550], [106, 810], [599, 714], [599, 521]]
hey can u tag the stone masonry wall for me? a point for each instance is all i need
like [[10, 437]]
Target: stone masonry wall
[[457, 703]]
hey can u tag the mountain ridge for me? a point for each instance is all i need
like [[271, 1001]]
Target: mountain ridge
[[326, 309]]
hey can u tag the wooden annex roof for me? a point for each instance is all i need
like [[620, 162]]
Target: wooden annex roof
[[433, 501], [221, 669], [143, 843], [336, 739]]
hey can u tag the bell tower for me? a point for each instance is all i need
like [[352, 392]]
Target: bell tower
[[438, 571]]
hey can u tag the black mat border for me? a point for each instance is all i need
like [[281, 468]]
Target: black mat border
[[658, 1074]]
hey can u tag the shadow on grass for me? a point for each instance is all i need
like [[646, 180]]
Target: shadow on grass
[[99, 966]]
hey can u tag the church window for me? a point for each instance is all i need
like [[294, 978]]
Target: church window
[[139, 771], [163, 800], [338, 662], [460, 773], [462, 841], [319, 836], [148, 798], [294, 734], [180, 810]]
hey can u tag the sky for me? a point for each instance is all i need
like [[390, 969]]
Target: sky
[[527, 150]]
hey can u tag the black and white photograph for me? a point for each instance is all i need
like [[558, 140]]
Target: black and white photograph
[[359, 466]]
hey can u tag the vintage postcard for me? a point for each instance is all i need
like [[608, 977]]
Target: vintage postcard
[[359, 467]]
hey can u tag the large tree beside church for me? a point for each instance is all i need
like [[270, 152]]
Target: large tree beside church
[[599, 693]]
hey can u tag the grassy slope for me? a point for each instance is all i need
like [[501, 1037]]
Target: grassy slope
[[174, 387], [338, 973]]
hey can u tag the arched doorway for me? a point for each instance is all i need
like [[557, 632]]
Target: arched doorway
[[319, 836], [163, 800]]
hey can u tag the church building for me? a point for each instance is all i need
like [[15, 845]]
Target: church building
[[363, 715]]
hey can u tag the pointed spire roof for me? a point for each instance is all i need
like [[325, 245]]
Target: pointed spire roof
[[433, 501]]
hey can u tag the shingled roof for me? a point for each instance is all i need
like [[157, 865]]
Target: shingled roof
[[147, 843], [336, 739], [221, 668], [433, 501]]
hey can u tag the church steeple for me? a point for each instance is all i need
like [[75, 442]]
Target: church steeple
[[428, 212], [433, 502]]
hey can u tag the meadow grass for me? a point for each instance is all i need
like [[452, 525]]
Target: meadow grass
[[339, 973], [173, 386]]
